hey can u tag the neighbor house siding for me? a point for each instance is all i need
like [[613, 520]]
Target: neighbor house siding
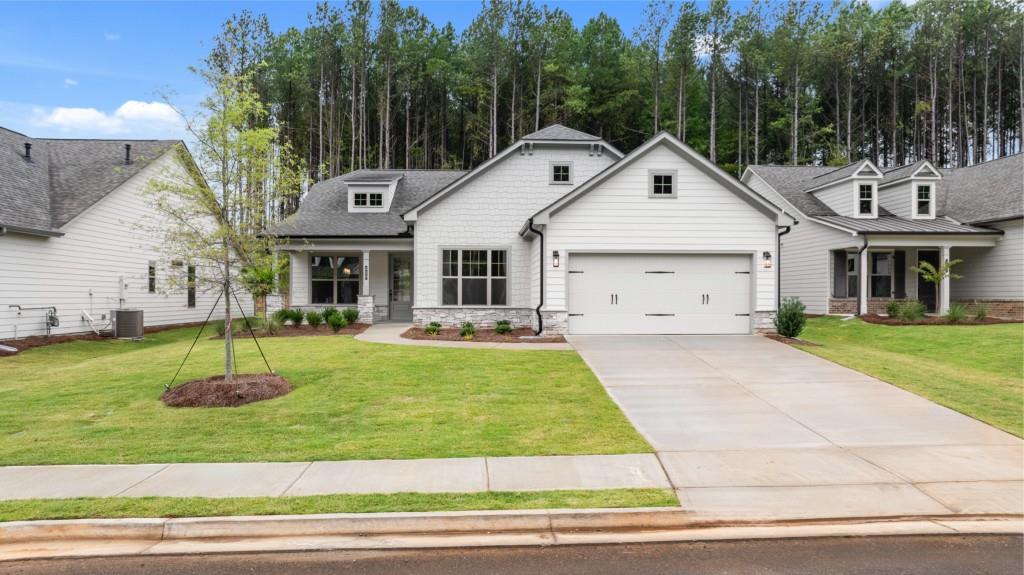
[[618, 216], [489, 211], [82, 270], [992, 273]]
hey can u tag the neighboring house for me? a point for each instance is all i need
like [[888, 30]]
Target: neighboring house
[[72, 214], [560, 231], [861, 230]]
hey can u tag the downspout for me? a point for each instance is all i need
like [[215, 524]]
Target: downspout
[[859, 272], [540, 319], [778, 265]]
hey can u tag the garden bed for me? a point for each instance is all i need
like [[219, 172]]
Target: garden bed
[[790, 340], [301, 331], [23, 343], [518, 335], [932, 320]]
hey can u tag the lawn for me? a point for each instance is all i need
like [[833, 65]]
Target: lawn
[[99, 402], [976, 370], [117, 507]]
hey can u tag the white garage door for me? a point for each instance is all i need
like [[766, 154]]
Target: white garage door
[[659, 294]]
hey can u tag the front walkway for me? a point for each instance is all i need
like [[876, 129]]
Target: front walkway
[[392, 333], [746, 426]]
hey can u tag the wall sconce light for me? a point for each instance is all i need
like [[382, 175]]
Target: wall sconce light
[[554, 259], [766, 260]]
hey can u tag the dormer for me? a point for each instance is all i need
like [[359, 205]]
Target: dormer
[[850, 191], [912, 191], [370, 193]]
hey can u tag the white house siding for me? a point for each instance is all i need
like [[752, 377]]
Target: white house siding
[[488, 212], [82, 269], [806, 267], [992, 273], [896, 199], [618, 216], [299, 278], [838, 197]]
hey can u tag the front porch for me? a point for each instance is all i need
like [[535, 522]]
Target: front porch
[[865, 278]]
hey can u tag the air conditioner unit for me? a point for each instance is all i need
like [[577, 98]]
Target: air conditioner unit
[[127, 323]]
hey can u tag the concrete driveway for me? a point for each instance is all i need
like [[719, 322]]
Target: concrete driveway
[[746, 426]]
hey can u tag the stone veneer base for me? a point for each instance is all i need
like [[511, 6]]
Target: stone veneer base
[[479, 316]]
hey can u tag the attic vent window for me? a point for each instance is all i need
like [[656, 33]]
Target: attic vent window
[[662, 184], [561, 173]]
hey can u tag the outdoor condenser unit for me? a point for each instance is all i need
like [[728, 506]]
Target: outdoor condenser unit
[[127, 323]]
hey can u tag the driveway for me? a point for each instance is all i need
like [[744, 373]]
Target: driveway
[[746, 426]]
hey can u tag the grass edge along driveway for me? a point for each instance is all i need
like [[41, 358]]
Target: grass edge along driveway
[[98, 402], [977, 370]]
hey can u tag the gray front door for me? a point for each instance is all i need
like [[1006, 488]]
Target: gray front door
[[400, 287]]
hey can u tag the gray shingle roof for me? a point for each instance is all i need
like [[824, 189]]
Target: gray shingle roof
[[836, 174], [791, 181], [893, 224], [894, 174], [560, 132], [324, 210], [64, 177]]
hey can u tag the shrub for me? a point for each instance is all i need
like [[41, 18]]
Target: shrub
[[912, 310], [281, 315], [219, 326], [328, 312], [336, 322], [790, 320], [314, 319], [433, 328], [350, 314], [468, 330], [295, 316], [503, 326], [892, 309], [273, 325], [980, 312], [957, 313]]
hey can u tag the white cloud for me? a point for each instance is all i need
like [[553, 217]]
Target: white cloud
[[131, 119], [68, 82], [111, 36]]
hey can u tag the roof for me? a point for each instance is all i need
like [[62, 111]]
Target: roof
[[63, 177], [559, 132], [791, 181], [324, 210], [897, 225]]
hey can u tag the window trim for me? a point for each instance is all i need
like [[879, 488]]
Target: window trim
[[650, 183], [915, 210], [891, 275], [551, 173], [334, 281], [375, 196], [856, 199], [855, 274], [151, 276], [360, 199], [441, 277]]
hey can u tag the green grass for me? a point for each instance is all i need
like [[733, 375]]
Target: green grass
[[976, 370], [99, 402], [115, 507]]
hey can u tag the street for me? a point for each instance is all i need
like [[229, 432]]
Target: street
[[908, 555]]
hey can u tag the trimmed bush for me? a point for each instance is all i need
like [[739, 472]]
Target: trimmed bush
[[281, 315], [273, 325], [350, 314], [432, 328], [219, 326], [957, 313], [314, 319], [892, 309], [503, 326], [912, 310], [981, 312], [295, 316], [467, 331], [328, 312], [790, 319], [336, 322]]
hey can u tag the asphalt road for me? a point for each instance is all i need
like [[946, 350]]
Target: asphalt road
[[911, 555]]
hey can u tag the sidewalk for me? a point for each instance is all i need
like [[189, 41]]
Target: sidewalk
[[392, 333]]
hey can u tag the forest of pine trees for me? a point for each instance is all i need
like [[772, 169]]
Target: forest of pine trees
[[377, 85]]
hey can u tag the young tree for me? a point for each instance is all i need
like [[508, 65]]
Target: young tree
[[936, 275]]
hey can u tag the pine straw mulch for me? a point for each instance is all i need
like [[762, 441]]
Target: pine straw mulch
[[933, 320], [32, 341], [301, 330], [213, 392], [483, 335]]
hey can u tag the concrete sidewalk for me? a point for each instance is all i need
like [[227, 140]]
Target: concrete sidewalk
[[465, 475], [392, 333]]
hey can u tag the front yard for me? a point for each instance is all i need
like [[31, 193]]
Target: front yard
[[99, 402], [977, 370]]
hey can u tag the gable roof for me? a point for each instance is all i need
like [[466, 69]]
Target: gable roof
[[63, 178], [849, 171], [688, 153], [324, 210], [558, 132]]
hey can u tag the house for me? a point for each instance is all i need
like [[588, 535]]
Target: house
[[560, 231], [71, 243], [861, 229]]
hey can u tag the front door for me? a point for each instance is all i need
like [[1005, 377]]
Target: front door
[[926, 290], [400, 287]]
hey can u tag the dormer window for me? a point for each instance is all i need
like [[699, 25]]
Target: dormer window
[[867, 206], [561, 173], [363, 200], [924, 201]]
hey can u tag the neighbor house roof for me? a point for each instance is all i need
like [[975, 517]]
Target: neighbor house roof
[[62, 178], [324, 210], [559, 132]]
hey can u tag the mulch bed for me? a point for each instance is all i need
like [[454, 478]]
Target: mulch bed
[[791, 340], [213, 392], [303, 330], [41, 340], [932, 320], [483, 335]]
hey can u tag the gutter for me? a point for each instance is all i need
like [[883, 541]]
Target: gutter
[[4, 230], [778, 264], [860, 274], [540, 318]]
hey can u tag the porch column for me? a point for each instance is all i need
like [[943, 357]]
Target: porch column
[[863, 274], [944, 288], [365, 288]]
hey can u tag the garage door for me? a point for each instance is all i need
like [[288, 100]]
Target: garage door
[[659, 294]]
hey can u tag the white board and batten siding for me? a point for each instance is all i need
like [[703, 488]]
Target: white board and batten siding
[[617, 216], [83, 269], [992, 273]]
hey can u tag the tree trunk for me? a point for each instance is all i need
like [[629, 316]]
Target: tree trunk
[[796, 114], [229, 350], [536, 100], [757, 122], [714, 114]]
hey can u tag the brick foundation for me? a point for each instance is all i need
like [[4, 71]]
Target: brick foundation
[[842, 305], [1001, 308]]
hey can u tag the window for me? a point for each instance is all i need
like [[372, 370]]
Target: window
[[474, 277], [866, 200], [561, 173], [151, 276], [663, 184], [923, 201], [359, 200], [190, 283], [376, 200], [881, 274], [335, 279], [852, 280]]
